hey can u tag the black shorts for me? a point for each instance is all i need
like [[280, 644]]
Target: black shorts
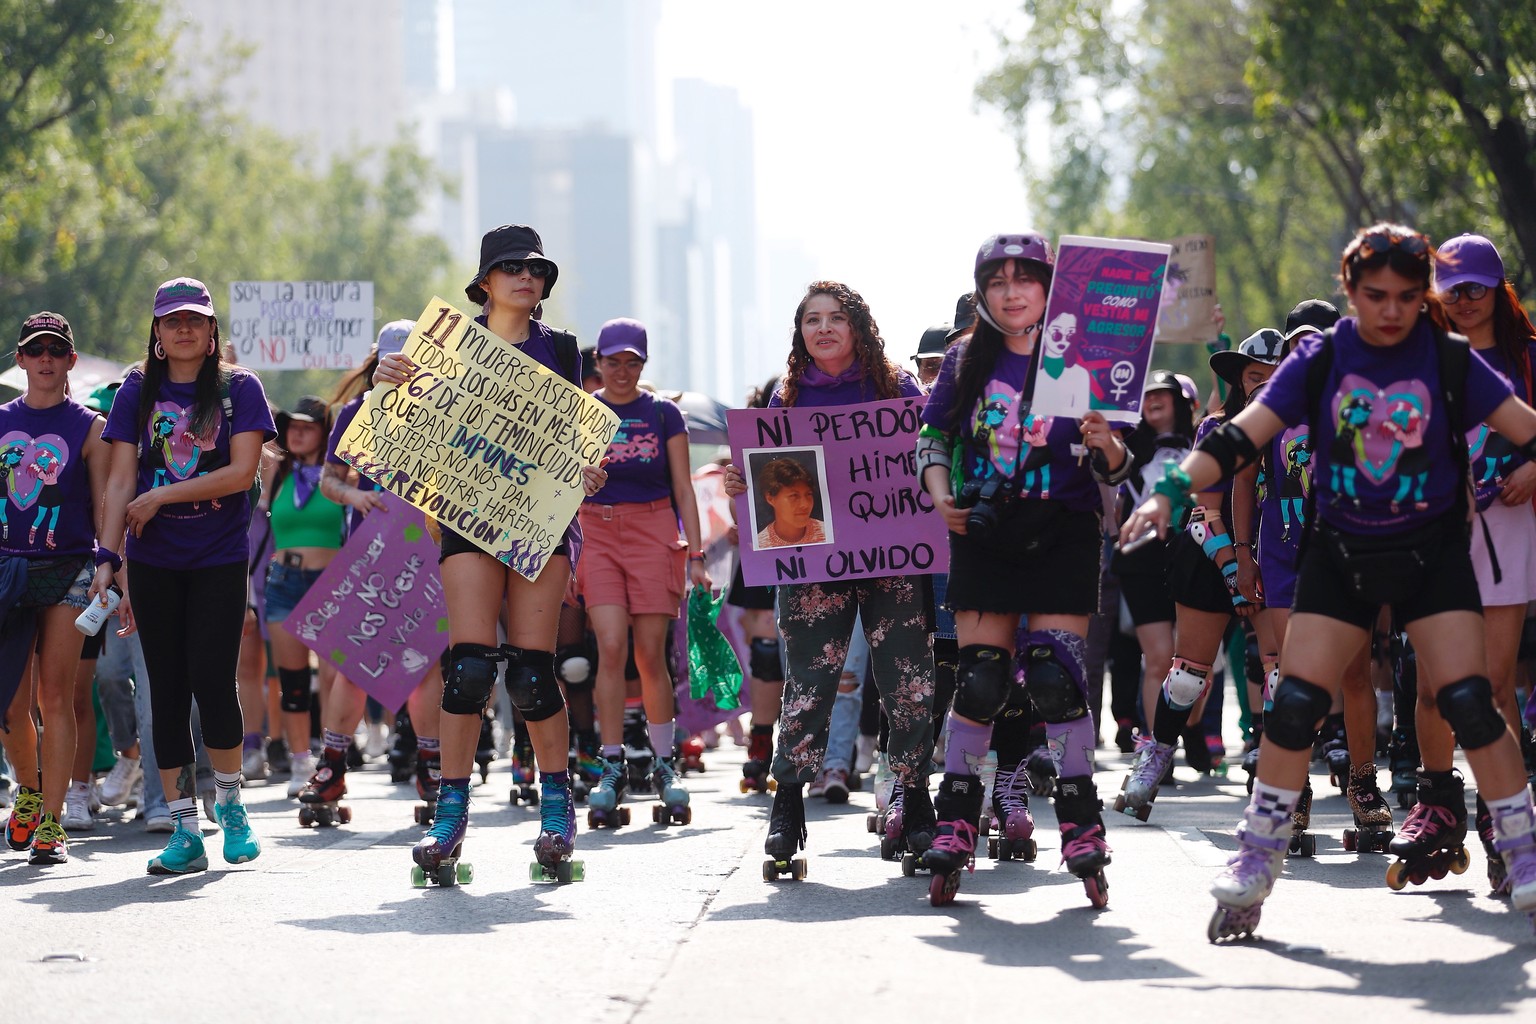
[[1147, 597], [1449, 582], [751, 598], [1059, 577], [456, 544], [1193, 579]]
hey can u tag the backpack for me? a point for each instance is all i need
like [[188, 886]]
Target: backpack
[[568, 352]]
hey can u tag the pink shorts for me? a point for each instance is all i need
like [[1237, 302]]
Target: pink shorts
[[632, 557], [1512, 529]]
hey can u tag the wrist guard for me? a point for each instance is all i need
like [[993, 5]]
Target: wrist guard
[[1098, 465], [932, 450], [1230, 447], [1175, 487]]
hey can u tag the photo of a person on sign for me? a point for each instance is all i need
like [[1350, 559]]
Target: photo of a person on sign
[[788, 499], [1070, 386]]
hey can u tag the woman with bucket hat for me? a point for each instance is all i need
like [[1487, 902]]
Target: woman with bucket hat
[[53, 473], [1203, 579], [1020, 495], [513, 279], [188, 432]]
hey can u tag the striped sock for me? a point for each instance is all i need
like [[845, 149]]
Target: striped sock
[[429, 744], [228, 785], [336, 742], [1273, 800], [184, 814]]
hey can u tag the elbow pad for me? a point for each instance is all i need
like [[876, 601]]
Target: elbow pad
[[1230, 447], [932, 450]]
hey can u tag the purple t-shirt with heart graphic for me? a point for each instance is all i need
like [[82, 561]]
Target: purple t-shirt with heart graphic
[[189, 534], [1381, 447], [45, 492], [637, 458]]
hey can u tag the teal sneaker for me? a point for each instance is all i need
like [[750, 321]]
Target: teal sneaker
[[183, 854], [240, 843]]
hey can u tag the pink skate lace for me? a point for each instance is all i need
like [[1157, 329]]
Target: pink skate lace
[[1422, 817], [961, 840], [1091, 841]]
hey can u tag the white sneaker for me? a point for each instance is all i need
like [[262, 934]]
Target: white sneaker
[[95, 798], [303, 768], [378, 740], [136, 798], [818, 786], [253, 765], [117, 787], [77, 811], [836, 789], [864, 754], [160, 823]]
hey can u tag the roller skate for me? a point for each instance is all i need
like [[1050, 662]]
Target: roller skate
[[1015, 825], [1263, 837], [1083, 849], [786, 834], [954, 840], [320, 799], [485, 747], [1498, 875], [918, 822], [888, 802], [1431, 842], [1303, 843], [671, 807], [524, 771], [557, 836], [1373, 818], [1514, 839], [754, 770], [437, 853], [586, 764], [692, 755], [429, 781], [1041, 771], [603, 803], [402, 750], [1140, 787]]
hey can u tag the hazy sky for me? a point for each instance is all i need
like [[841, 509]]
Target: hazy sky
[[871, 154]]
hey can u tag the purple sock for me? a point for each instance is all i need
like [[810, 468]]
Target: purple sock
[[1072, 743], [967, 745], [562, 778], [662, 737]]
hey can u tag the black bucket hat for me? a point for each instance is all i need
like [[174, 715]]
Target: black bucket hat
[[310, 409], [1262, 346], [509, 242], [931, 346]]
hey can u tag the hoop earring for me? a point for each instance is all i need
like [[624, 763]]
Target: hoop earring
[[213, 347], [159, 351], [1424, 308]]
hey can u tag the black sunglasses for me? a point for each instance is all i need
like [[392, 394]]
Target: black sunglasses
[[1469, 291], [1380, 242], [538, 268], [57, 349]]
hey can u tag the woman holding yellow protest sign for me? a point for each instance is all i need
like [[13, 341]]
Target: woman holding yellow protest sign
[[514, 277]]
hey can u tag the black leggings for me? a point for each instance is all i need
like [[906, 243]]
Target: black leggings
[[190, 621]]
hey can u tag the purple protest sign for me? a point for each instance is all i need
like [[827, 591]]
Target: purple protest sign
[[1099, 323], [833, 494], [377, 612]]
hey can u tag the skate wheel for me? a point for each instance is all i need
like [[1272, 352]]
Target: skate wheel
[[1460, 861], [463, 873], [623, 815], [1120, 804], [345, 814], [889, 850], [446, 877], [418, 877], [798, 869], [909, 865], [1396, 876], [869, 823], [684, 816], [326, 817], [1097, 888], [770, 871], [576, 871], [995, 849], [1439, 871], [942, 889], [1031, 850], [306, 817], [592, 821], [1233, 922], [744, 786], [1303, 844], [657, 816], [1144, 811], [773, 785], [1351, 843]]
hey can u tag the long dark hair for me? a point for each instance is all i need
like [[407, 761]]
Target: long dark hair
[[212, 378], [1142, 442], [355, 383], [979, 357], [869, 347], [1513, 332]]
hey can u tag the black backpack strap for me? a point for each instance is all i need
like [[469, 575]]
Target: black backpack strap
[[1455, 358], [1318, 370], [568, 352]]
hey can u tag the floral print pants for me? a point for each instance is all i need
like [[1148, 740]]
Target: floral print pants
[[816, 621]]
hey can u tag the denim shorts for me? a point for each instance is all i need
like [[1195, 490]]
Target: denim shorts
[[286, 586]]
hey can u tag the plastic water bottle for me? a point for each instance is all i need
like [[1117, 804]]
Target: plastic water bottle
[[93, 618]]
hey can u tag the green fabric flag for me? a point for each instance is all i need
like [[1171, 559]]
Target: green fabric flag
[[712, 664]]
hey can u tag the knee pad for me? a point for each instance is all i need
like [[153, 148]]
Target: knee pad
[[1053, 667], [470, 678], [1291, 721], [531, 684], [1467, 705], [573, 663], [982, 682], [1185, 684], [764, 662], [294, 683]]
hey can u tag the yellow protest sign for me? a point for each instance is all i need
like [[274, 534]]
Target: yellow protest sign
[[485, 439]]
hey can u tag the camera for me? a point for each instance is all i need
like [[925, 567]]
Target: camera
[[988, 501]]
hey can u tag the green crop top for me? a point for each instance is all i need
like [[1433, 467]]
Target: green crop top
[[317, 525]]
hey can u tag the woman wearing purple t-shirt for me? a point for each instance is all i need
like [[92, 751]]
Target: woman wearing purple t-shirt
[[631, 574], [53, 467], [514, 277], [1390, 530], [188, 432], [837, 358]]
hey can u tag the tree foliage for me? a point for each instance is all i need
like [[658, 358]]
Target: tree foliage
[[114, 177], [1280, 126]]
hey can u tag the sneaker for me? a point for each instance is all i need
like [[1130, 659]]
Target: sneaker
[[160, 823], [24, 818], [136, 798], [253, 764], [377, 741], [209, 797], [303, 766], [117, 787], [183, 854], [49, 843], [864, 754], [77, 810], [279, 760], [818, 786], [240, 843], [836, 789], [94, 802]]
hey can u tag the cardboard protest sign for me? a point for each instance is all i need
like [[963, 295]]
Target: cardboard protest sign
[[485, 439], [300, 325], [1099, 323], [1189, 291], [833, 494], [377, 611]]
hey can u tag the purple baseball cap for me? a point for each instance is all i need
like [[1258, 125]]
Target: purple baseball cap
[[393, 335], [1468, 258], [183, 293], [622, 335]]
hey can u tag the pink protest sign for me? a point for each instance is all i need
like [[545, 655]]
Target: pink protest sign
[[833, 494], [377, 612]]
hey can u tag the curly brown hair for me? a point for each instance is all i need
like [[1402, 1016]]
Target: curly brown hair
[[869, 347]]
